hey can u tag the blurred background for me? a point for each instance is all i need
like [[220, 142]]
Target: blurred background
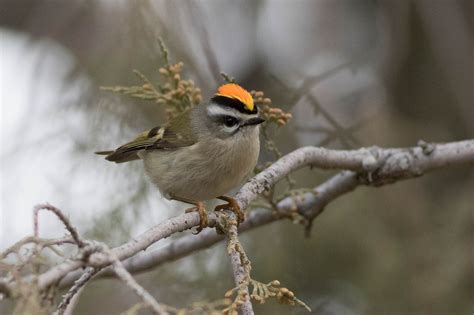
[[352, 73]]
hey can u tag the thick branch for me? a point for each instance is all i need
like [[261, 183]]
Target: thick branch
[[374, 166], [381, 165], [309, 205]]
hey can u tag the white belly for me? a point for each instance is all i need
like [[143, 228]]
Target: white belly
[[198, 173]]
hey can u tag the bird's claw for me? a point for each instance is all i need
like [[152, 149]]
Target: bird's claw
[[204, 222], [233, 206]]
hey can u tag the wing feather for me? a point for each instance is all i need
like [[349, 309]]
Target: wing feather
[[158, 138]]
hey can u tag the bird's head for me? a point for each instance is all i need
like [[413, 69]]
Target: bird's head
[[231, 111]]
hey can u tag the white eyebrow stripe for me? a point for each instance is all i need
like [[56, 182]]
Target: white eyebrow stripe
[[216, 110]]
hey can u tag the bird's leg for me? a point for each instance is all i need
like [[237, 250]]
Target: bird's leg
[[231, 205], [199, 207], [202, 215]]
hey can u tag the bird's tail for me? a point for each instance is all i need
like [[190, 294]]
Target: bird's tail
[[104, 152]]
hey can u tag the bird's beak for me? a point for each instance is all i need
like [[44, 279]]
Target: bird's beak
[[254, 121]]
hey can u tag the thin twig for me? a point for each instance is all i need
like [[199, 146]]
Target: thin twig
[[62, 217], [305, 91], [126, 277], [43, 242], [65, 305], [197, 15]]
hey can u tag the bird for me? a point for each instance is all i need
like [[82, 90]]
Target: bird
[[201, 154]]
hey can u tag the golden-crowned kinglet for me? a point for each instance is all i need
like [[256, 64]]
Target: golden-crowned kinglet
[[203, 153]]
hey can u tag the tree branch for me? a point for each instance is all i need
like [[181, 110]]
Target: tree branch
[[61, 217], [310, 205], [65, 305], [147, 298], [240, 264], [380, 166], [370, 166]]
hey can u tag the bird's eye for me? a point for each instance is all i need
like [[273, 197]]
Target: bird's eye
[[230, 121]]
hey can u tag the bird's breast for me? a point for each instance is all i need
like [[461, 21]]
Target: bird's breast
[[204, 170]]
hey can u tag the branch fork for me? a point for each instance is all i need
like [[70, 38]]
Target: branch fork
[[372, 166]]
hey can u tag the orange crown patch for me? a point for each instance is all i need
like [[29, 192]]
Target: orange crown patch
[[235, 91]]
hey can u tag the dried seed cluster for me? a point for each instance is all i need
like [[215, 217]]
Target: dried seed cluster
[[178, 94], [260, 293], [174, 92], [269, 113]]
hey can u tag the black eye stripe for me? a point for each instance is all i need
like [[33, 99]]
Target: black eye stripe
[[227, 120], [230, 121]]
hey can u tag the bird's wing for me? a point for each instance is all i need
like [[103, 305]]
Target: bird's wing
[[158, 138]]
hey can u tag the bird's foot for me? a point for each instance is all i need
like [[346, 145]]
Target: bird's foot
[[204, 222], [233, 206]]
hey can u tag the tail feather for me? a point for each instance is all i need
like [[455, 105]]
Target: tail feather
[[119, 156], [104, 152]]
